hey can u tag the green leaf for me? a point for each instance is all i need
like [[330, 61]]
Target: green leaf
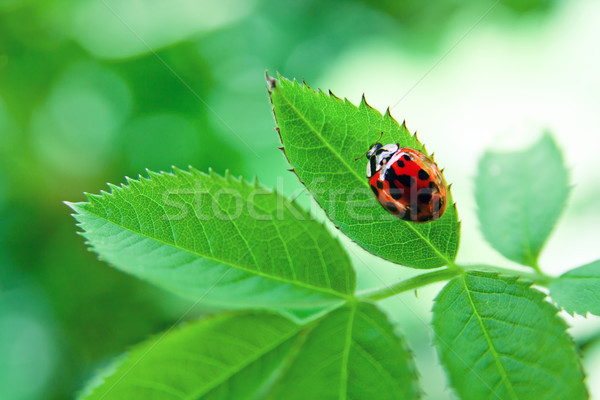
[[578, 290], [499, 339], [352, 353], [223, 357], [219, 240], [322, 136], [520, 196]]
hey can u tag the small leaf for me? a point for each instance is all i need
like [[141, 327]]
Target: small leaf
[[224, 357], [219, 240], [499, 339], [322, 136], [520, 196], [352, 353], [578, 290]]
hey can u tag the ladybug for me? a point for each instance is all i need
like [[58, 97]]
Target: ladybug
[[406, 182]]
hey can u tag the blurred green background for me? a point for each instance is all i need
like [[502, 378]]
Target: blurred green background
[[95, 90]]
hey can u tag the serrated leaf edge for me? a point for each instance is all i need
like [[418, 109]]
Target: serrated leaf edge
[[540, 298], [272, 84], [211, 174]]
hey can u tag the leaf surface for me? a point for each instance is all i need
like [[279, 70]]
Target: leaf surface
[[578, 290], [520, 195], [224, 357], [352, 353], [322, 136], [499, 339], [219, 240]]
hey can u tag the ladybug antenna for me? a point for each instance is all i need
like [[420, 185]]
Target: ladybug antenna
[[363, 154], [370, 147]]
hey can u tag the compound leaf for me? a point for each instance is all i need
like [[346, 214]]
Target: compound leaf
[[578, 290], [499, 339], [520, 196], [219, 240], [322, 136]]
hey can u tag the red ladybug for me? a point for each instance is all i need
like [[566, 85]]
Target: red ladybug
[[406, 182]]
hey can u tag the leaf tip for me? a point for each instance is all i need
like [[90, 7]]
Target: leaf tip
[[178, 171], [92, 197], [271, 82], [363, 102], [113, 188], [76, 207]]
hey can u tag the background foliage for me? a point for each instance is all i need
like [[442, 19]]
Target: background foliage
[[91, 91]]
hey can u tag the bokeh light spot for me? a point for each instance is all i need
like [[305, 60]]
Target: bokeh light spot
[[121, 29], [74, 130], [159, 141]]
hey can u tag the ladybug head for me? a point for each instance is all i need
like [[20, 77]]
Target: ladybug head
[[374, 149], [379, 155]]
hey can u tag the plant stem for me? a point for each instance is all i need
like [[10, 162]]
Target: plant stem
[[412, 283], [445, 274], [538, 277], [537, 269]]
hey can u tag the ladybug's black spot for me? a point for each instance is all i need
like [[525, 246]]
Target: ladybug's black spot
[[406, 157], [423, 175], [375, 191], [406, 180], [400, 163], [424, 197], [425, 218], [391, 207], [379, 185], [391, 176], [396, 193], [408, 216]]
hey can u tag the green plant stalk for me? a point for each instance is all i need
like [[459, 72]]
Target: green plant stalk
[[533, 263], [539, 278], [446, 274], [412, 283]]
